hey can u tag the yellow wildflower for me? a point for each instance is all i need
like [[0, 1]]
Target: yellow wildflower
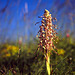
[[61, 51]]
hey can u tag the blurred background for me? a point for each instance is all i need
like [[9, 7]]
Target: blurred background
[[18, 30]]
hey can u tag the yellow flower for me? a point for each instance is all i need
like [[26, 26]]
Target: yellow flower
[[9, 50], [61, 51], [12, 49], [8, 55]]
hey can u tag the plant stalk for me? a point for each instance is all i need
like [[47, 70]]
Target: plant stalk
[[48, 64]]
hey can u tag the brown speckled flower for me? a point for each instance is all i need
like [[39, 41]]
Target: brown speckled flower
[[47, 35]]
